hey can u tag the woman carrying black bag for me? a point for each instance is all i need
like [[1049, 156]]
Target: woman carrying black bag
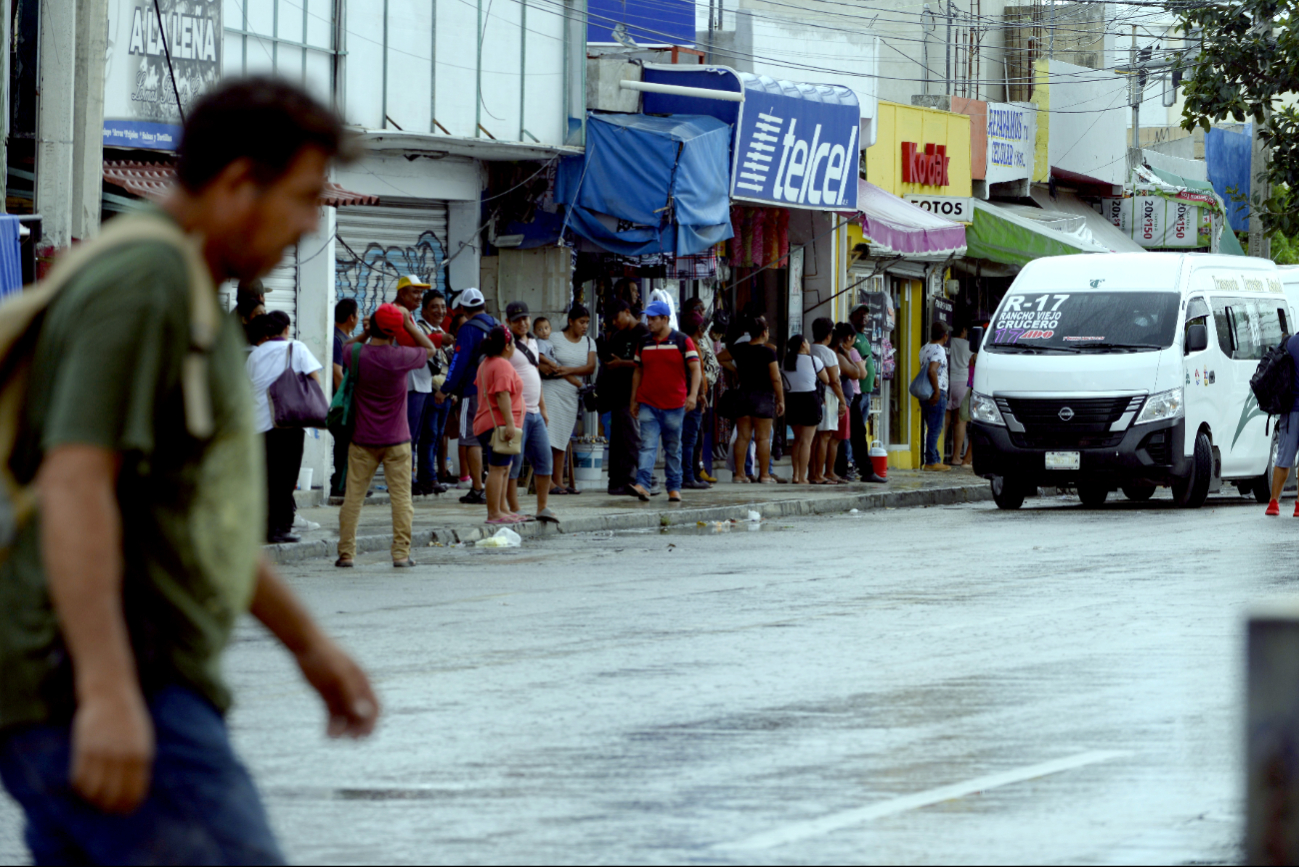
[[274, 353]]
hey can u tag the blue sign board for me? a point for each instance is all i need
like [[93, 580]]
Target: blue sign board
[[141, 134], [648, 22], [796, 145]]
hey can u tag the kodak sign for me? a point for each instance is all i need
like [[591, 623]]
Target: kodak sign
[[927, 167]]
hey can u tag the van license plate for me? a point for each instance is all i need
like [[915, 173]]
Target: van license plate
[[1063, 460]]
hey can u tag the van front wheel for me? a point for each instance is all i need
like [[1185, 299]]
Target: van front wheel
[[1007, 493], [1191, 492]]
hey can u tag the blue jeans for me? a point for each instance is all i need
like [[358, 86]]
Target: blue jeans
[[202, 806], [536, 448], [656, 423], [415, 401], [694, 420], [431, 428], [931, 424]]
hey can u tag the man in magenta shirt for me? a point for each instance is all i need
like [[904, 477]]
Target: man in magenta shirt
[[381, 434]]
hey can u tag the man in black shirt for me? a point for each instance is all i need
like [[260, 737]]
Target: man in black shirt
[[617, 365]]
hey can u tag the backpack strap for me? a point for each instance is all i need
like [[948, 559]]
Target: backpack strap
[[22, 315]]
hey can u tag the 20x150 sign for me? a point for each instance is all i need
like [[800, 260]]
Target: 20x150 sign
[[958, 208]]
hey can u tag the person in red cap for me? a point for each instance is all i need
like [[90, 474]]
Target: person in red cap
[[381, 434]]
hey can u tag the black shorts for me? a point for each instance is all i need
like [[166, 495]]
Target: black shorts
[[758, 404], [802, 408]]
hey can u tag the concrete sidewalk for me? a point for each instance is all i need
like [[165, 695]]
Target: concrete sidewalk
[[444, 520]]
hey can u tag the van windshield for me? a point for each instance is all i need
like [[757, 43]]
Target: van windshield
[[1077, 322]]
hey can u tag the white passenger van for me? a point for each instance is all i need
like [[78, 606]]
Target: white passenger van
[[1128, 371]]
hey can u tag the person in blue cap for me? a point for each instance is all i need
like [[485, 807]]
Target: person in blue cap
[[665, 386]]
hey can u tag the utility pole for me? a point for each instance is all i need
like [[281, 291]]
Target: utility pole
[[88, 118], [948, 71], [1050, 50], [56, 77], [1259, 187], [1134, 82]]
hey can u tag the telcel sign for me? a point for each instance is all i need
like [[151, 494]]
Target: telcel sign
[[796, 145]]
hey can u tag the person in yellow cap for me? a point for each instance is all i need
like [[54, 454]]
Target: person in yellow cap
[[419, 382]]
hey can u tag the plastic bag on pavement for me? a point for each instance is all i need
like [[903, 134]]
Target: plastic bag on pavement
[[503, 538]]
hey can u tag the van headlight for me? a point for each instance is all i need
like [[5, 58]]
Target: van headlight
[[984, 409], [1162, 407]]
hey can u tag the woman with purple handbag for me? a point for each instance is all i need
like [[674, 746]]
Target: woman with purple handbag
[[287, 397]]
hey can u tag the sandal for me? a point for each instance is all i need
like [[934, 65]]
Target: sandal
[[500, 521], [344, 563], [558, 492], [573, 490]]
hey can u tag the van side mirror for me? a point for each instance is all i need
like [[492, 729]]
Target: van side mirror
[[1197, 338], [976, 337]]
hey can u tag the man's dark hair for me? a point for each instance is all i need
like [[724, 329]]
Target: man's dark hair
[[938, 330], [757, 325], [429, 297], [267, 325], [266, 121], [616, 307], [495, 341], [344, 310], [822, 328], [577, 311], [248, 297]]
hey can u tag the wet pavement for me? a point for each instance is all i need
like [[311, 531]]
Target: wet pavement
[[444, 519], [922, 685]]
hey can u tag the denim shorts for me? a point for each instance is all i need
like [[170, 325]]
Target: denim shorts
[[536, 447], [494, 459], [202, 806], [1287, 429]]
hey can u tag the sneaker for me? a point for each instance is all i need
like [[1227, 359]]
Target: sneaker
[[301, 523], [938, 468], [474, 498], [1274, 508], [464, 482], [696, 485]]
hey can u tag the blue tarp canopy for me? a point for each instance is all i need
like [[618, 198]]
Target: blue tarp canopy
[[649, 184]]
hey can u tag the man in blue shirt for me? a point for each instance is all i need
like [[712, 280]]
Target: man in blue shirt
[[1287, 430], [461, 382]]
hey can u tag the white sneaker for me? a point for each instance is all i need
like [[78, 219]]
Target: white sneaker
[[301, 523]]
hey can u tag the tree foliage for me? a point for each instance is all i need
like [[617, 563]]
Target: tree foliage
[[1243, 68]]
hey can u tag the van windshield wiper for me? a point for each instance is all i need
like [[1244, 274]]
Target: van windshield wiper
[[1082, 347], [1024, 347]]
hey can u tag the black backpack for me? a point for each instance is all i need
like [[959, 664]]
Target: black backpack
[[1273, 381]]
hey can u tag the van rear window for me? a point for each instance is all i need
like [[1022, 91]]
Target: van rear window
[[1085, 322]]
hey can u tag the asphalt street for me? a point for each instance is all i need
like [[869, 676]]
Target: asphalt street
[[932, 685]]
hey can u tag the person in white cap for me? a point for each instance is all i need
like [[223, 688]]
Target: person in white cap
[[460, 382]]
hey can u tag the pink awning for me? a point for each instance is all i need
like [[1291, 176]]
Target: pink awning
[[894, 226]]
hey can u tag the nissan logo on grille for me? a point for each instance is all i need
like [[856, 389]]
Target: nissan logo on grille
[[1065, 413]]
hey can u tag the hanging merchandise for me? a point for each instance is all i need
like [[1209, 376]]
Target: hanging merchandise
[[761, 237], [701, 267]]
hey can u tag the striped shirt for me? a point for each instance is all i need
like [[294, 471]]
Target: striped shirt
[[665, 376]]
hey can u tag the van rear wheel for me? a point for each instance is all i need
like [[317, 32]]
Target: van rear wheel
[[1138, 493], [1191, 492], [1093, 496], [1007, 493]]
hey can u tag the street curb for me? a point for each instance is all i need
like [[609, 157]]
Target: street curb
[[650, 519]]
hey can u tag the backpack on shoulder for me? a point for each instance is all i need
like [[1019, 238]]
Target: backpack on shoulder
[[21, 319], [1273, 381]]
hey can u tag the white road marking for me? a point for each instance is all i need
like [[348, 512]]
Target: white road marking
[[836, 821]]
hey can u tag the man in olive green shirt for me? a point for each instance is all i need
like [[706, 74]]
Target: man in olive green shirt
[[118, 598], [860, 319]]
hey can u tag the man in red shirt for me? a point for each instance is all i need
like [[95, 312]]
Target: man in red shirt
[[664, 388]]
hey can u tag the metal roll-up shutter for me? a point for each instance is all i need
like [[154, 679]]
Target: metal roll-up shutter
[[380, 243], [282, 286]]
